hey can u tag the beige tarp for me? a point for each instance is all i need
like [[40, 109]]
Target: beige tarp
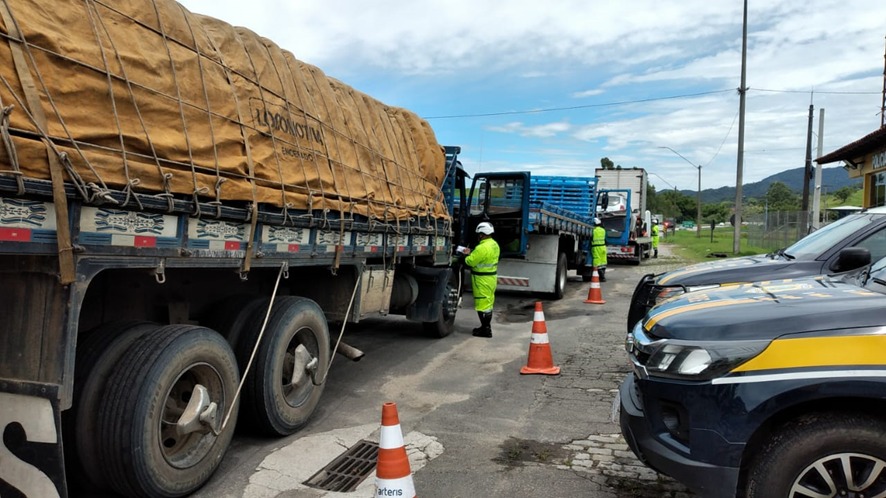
[[144, 95]]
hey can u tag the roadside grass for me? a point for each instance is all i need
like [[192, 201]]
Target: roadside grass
[[687, 245]]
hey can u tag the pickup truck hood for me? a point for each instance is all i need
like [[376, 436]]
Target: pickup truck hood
[[764, 310], [744, 269]]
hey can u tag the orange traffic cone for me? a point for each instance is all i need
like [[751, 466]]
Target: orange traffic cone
[[595, 295], [392, 474], [540, 359]]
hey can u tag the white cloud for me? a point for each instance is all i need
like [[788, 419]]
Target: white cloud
[[472, 57]]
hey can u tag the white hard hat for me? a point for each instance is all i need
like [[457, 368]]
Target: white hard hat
[[597, 221], [655, 220], [485, 228]]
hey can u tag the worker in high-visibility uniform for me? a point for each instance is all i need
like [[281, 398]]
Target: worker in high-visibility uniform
[[598, 248], [483, 262], [655, 232]]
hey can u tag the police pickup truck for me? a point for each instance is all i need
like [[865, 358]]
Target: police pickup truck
[[772, 389], [819, 253]]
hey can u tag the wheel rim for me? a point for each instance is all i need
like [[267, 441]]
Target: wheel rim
[[186, 450], [844, 475], [450, 302], [301, 361]]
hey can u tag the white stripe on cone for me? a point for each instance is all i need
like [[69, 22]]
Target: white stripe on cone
[[538, 339], [539, 316], [390, 437], [401, 488]]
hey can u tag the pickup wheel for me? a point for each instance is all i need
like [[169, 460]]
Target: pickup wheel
[[560, 278], [97, 354], [449, 307], [160, 422], [823, 454], [280, 394]]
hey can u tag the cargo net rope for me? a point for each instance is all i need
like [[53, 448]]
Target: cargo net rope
[[143, 96]]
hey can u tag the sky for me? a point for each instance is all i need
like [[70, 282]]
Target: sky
[[551, 87]]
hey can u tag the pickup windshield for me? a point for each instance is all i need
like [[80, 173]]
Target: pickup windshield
[[819, 241]]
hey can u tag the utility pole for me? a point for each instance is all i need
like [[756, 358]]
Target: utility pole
[[736, 234], [816, 196], [807, 173]]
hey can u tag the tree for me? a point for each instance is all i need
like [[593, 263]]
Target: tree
[[843, 193], [718, 213], [607, 163], [780, 198]]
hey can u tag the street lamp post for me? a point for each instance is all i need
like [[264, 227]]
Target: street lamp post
[[697, 194]]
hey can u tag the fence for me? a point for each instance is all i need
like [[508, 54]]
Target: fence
[[776, 229]]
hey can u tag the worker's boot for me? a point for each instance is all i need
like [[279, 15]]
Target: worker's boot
[[602, 273], [655, 253], [478, 331], [485, 328]]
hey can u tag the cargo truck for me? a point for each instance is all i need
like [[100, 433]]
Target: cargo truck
[[543, 225], [628, 223], [185, 210], [764, 389], [822, 252]]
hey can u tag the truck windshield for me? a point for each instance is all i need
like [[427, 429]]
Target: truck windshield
[[819, 241]]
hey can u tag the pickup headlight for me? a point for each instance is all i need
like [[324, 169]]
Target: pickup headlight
[[698, 360]]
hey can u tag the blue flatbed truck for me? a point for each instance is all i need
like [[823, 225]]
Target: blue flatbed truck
[[543, 225]]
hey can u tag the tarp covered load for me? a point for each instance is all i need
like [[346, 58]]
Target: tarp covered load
[[145, 96]]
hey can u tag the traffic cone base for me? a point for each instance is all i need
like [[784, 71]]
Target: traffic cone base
[[540, 359], [595, 294], [392, 474]]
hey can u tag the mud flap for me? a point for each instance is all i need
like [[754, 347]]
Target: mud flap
[[31, 444]]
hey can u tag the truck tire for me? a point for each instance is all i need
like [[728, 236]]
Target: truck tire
[[97, 354], [638, 251], [449, 307], [560, 279], [810, 453], [140, 448], [231, 315], [276, 402]]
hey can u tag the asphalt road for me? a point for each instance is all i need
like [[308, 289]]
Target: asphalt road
[[473, 425]]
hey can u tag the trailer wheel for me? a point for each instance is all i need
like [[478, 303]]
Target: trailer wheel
[[560, 278], [279, 394], [449, 307], [231, 315], [830, 454], [171, 389], [97, 353]]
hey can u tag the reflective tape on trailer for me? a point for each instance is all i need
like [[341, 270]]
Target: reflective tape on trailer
[[513, 281]]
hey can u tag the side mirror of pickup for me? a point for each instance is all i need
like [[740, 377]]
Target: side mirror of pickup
[[851, 258]]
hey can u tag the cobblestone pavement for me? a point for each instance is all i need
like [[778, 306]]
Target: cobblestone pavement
[[596, 369]]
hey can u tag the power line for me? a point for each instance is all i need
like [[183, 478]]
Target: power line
[[638, 101], [571, 108], [814, 91]]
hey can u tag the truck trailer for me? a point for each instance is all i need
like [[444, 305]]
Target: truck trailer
[[185, 211]]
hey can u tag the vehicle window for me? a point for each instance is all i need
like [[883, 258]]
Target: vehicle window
[[819, 241], [478, 199], [505, 196], [876, 243]]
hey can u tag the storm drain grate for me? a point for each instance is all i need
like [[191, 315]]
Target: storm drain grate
[[348, 470]]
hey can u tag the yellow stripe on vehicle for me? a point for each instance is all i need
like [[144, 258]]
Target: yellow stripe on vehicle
[[695, 307], [862, 350]]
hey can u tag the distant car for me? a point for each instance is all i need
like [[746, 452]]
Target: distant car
[[818, 253]]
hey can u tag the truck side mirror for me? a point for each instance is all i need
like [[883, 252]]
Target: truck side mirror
[[851, 258]]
